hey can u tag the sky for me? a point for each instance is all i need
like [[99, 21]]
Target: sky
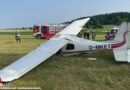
[[26, 13]]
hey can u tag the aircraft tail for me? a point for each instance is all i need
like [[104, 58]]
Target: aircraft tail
[[122, 50]]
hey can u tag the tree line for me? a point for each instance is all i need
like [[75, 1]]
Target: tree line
[[106, 19]]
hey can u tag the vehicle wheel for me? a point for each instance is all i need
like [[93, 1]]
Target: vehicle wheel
[[39, 37], [43, 38]]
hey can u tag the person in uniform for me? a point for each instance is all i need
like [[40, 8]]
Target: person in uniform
[[93, 35], [88, 34], [85, 34], [17, 37]]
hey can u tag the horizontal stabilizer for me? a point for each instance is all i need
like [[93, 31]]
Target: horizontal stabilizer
[[120, 54], [128, 55]]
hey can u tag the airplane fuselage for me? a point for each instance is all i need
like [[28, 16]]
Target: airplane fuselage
[[79, 45]]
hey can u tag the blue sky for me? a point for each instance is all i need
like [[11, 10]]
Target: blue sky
[[23, 13]]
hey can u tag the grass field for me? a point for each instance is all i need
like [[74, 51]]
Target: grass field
[[12, 32], [65, 73], [99, 31], [105, 28]]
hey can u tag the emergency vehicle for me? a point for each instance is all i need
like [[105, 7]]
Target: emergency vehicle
[[111, 34], [46, 31]]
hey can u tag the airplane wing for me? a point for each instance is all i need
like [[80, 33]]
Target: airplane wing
[[31, 60], [37, 56], [75, 27]]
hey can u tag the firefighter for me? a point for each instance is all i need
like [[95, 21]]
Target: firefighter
[[85, 34], [88, 34], [107, 36], [93, 35], [17, 37]]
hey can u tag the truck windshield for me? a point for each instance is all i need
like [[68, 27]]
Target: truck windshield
[[113, 31], [44, 30], [35, 27]]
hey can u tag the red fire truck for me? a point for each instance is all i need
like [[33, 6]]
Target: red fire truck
[[46, 31]]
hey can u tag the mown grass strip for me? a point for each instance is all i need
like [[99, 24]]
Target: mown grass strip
[[13, 33]]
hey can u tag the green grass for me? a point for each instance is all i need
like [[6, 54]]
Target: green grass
[[12, 32], [66, 73], [105, 28]]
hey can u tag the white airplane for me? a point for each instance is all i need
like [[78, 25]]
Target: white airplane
[[66, 43]]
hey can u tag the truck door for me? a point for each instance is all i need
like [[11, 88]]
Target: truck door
[[44, 30]]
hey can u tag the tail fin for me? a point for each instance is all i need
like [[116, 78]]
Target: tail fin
[[121, 31], [122, 53]]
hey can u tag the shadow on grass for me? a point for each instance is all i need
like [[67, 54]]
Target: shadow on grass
[[106, 56]]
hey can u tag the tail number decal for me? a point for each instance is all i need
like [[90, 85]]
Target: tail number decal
[[100, 47]]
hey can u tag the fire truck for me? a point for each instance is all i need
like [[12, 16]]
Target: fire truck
[[46, 31]]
